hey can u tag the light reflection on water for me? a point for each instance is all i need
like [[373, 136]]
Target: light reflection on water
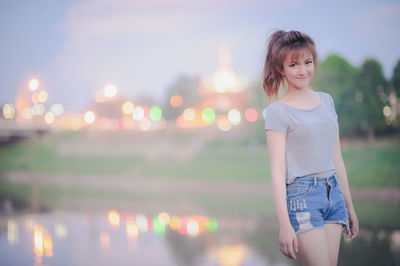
[[122, 238], [125, 238]]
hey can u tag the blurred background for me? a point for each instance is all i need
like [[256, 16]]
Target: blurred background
[[132, 132]]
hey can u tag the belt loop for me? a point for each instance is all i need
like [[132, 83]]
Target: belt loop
[[315, 181]]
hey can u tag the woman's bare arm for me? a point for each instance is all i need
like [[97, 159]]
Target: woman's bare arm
[[344, 184], [276, 142], [341, 173]]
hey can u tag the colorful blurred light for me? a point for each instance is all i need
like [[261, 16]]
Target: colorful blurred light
[[212, 225], [57, 109], [141, 222], [43, 96], [49, 118], [387, 111], [104, 240], [48, 245], [175, 223], [176, 100], [12, 232], [234, 116], [158, 226], [38, 240], [132, 229], [251, 114], [189, 114], [164, 218], [208, 115], [113, 218], [138, 113], [89, 117], [8, 111], [38, 109], [231, 255], [224, 124], [33, 84], [127, 108], [192, 227], [60, 230], [110, 91], [155, 113]]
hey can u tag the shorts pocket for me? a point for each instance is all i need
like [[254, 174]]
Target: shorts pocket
[[296, 190]]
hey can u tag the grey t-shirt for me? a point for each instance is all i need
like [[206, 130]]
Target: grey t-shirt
[[310, 136]]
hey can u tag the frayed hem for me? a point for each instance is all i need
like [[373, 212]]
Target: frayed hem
[[309, 229], [345, 224]]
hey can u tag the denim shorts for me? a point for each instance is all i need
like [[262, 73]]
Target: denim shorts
[[314, 201]]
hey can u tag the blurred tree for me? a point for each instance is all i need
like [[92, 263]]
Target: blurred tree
[[395, 80], [370, 98], [337, 77], [187, 88], [394, 100]]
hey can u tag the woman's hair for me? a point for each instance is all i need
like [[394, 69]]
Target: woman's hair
[[281, 43]]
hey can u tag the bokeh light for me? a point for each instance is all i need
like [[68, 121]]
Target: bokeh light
[[208, 115], [131, 229], [212, 225], [234, 116], [33, 84], [89, 117], [8, 111], [158, 226], [49, 118], [175, 223], [38, 109], [224, 124], [113, 218], [192, 227], [57, 109], [141, 222], [189, 114], [251, 114], [164, 218], [110, 91], [43, 96], [127, 108], [138, 113], [176, 100], [155, 113]]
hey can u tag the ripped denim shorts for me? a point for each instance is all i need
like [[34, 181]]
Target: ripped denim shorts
[[314, 201]]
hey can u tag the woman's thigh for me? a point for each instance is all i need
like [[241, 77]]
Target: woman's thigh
[[313, 248], [333, 232]]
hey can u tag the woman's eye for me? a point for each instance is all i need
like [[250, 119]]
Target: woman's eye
[[292, 65], [308, 62]]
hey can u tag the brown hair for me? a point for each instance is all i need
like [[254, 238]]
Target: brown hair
[[280, 43]]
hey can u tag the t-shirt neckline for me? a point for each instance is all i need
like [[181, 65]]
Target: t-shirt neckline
[[305, 110]]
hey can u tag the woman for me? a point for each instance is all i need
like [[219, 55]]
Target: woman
[[309, 180]]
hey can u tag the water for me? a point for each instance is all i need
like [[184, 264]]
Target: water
[[126, 237]]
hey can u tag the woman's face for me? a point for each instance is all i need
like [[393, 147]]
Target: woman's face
[[298, 68]]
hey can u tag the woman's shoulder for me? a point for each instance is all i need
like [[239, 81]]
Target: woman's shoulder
[[325, 95]]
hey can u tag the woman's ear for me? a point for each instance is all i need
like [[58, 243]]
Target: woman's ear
[[280, 71]]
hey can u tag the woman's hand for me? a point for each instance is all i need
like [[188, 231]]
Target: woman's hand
[[353, 220], [288, 241]]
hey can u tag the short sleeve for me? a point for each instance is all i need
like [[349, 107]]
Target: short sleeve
[[332, 106], [274, 119]]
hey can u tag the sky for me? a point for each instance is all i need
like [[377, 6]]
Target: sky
[[76, 48]]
